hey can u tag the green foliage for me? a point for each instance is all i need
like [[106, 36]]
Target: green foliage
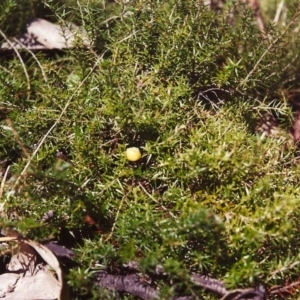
[[178, 81]]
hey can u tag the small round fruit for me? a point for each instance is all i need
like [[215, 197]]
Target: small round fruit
[[133, 154]]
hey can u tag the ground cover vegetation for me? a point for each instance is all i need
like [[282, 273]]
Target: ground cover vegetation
[[188, 86]]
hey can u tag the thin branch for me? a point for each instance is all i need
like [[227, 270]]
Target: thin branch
[[134, 285], [285, 268], [131, 284], [285, 289], [209, 284]]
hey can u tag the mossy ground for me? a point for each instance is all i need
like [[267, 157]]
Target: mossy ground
[[209, 194]]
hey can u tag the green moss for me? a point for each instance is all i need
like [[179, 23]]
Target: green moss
[[209, 194]]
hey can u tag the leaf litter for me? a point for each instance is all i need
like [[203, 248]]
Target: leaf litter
[[33, 271]]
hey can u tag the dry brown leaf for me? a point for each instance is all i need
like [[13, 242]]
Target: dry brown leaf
[[37, 281], [23, 261], [7, 283], [42, 285], [48, 257]]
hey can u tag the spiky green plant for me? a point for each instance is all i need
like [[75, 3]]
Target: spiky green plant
[[176, 80]]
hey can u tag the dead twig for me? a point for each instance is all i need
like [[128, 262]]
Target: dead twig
[[137, 286], [286, 289], [131, 284]]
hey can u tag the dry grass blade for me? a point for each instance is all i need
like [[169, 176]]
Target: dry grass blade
[[244, 81], [20, 58], [35, 58], [17, 138], [8, 238], [278, 12], [3, 185], [58, 120]]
